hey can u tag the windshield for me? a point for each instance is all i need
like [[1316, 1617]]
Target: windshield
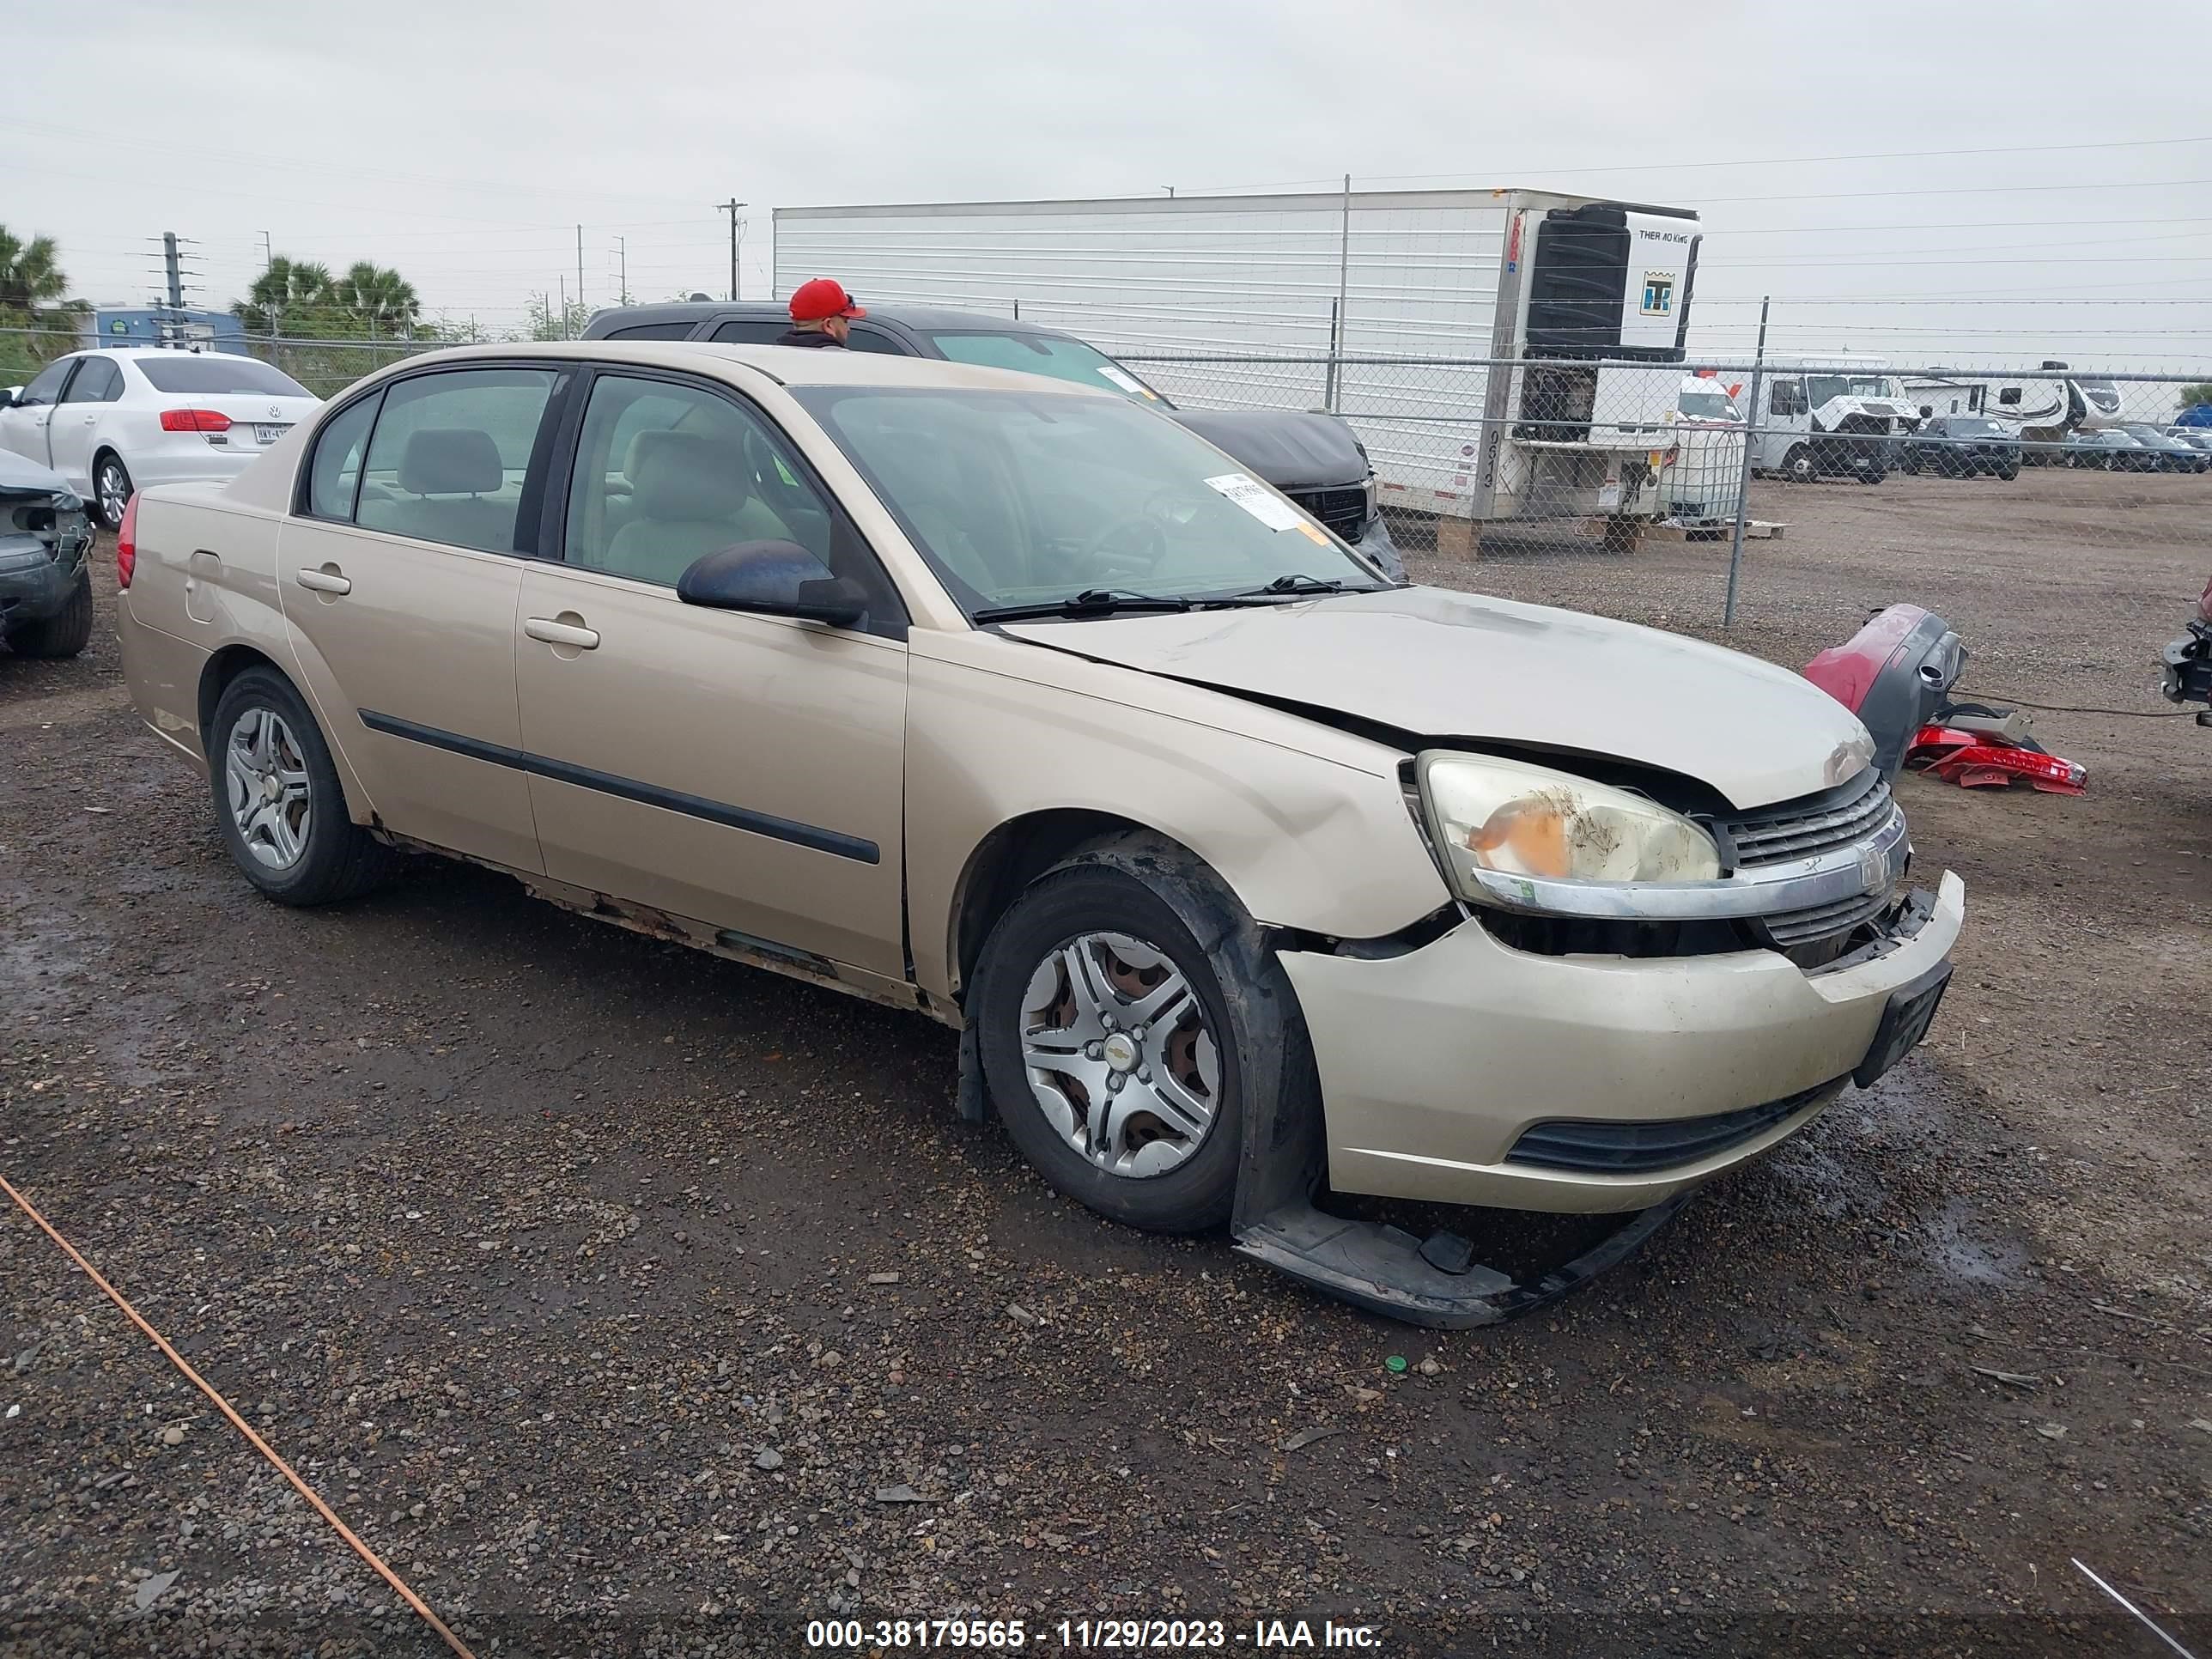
[[2146, 435], [1824, 388], [1965, 427], [217, 377], [1055, 355], [1707, 406], [1020, 498]]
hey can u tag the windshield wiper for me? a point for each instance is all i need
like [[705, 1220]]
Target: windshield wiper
[[1091, 602], [1298, 585]]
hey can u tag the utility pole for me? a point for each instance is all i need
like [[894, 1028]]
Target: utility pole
[[172, 270], [731, 208], [267, 262], [621, 245], [1743, 478], [564, 307], [579, 265]]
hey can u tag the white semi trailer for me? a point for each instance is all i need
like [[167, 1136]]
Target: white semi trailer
[[1573, 294]]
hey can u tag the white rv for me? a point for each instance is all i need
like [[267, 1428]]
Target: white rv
[[1579, 293], [1830, 417], [2047, 406]]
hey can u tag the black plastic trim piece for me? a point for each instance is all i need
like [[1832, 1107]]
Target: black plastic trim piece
[[1631, 1147], [832, 841]]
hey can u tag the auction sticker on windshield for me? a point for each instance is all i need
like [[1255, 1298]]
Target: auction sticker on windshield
[[1128, 383], [1256, 498]]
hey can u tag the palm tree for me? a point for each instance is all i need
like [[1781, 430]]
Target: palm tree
[[288, 294], [29, 277], [379, 297]]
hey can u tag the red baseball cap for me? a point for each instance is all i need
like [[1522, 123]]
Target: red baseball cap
[[824, 296]]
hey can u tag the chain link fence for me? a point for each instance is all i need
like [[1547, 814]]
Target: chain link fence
[[1761, 463]]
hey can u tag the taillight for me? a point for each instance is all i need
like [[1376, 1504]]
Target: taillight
[[126, 543], [194, 419]]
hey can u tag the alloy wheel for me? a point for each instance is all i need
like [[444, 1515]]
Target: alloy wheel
[[1119, 1055], [113, 489], [265, 774]]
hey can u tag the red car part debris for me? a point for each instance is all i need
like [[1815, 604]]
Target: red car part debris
[[1975, 760]]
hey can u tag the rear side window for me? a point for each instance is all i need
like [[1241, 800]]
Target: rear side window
[[216, 377], [449, 454], [742, 331], [653, 331], [866, 339], [334, 472], [98, 382]]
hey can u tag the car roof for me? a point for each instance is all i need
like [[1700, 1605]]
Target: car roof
[[927, 319], [162, 351], [789, 365]]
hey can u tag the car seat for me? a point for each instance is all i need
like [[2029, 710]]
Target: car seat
[[689, 496], [450, 481]]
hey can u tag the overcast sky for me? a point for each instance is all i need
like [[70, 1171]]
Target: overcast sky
[[463, 142]]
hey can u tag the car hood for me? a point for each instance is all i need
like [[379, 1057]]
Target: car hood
[[1290, 449], [21, 475], [1439, 664]]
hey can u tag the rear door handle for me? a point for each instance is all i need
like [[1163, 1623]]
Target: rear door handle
[[325, 582], [561, 633]]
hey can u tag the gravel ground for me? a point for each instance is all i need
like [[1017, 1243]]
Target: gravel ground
[[630, 1301]]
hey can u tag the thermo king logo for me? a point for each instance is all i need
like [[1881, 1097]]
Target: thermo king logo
[[1658, 294]]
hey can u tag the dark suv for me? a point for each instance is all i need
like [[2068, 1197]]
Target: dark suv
[[1960, 445], [1309, 456]]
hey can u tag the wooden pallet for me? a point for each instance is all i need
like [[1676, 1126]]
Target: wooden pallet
[[1759, 530]]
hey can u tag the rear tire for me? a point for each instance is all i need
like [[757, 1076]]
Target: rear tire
[[111, 489], [278, 800], [1136, 908], [65, 633]]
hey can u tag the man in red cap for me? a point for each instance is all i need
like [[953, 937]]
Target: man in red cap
[[820, 310]]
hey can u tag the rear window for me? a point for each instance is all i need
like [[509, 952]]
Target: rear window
[[216, 377]]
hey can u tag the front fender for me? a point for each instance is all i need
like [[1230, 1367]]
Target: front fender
[[1307, 826]]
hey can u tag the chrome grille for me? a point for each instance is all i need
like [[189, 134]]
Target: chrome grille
[[1807, 829], [1823, 922]]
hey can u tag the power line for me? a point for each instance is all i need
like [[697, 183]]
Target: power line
[[1734, 161]]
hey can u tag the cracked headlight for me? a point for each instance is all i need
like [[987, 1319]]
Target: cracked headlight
[[1506, 829]]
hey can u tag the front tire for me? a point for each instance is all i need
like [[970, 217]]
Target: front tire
[[1113, 1042], [65, 633], [110, 489], [278, 800], [1797, 465]]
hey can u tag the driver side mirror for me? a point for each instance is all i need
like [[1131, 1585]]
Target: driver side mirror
[[8, 396], [771, 578]]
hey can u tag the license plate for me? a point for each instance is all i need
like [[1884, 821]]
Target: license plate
[[1911, 1010], [270, 435]]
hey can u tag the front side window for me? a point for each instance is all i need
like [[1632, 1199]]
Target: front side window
[[98, 382], [47, 385], [449, 455], [1018, 498], [667, 472], [217, 377], [334, 471], [1053, 355]]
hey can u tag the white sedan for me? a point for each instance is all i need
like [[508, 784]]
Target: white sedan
[[114, 421]]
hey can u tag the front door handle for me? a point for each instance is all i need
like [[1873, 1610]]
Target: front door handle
[[325, 581], [556, 632]]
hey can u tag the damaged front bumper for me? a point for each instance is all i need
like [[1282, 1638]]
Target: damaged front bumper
[[1464, 1072]]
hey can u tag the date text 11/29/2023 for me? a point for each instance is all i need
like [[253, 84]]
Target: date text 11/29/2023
[[1089, 1635]]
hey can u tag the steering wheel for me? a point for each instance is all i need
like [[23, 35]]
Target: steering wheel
[[1134, 545]]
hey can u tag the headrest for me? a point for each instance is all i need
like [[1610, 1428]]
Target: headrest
[[450, 460], [686, 475]]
